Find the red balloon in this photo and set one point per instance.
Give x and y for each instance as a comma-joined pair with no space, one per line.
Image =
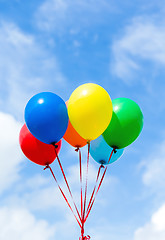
35,150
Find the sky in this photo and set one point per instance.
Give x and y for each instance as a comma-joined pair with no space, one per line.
57,45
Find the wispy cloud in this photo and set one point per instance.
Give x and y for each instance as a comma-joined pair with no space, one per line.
63,16
19,223
154,165
141,41
155,228
10,154
26,68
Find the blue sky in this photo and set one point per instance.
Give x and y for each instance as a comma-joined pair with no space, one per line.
57,45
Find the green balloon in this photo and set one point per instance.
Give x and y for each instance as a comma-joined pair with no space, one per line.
126,123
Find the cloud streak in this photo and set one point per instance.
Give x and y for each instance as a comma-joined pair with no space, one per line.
61,16
10,154
26,68
154,165
141,41
155,228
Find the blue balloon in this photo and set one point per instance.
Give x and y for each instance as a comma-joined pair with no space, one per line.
100,151
46,117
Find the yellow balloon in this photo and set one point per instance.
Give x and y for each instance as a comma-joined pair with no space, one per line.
90,110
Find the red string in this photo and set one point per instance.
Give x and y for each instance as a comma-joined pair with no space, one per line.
98,174
63,194
81,183
89,210
83,217
62,170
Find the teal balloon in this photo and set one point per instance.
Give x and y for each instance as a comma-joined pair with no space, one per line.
100,151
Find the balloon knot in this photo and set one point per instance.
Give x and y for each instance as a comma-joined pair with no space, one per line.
115,151
76,149
54,144
47,166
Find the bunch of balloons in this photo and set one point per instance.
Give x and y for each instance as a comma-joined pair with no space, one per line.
88,117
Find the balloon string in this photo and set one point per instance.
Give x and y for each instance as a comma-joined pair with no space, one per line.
80,163
62,170
98,174
63,193
89,210
83,217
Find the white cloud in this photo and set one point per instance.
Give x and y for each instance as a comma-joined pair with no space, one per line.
158,219
19,223
44,198
38,193
71,16
26,68
155,229
153,175
10,154
142,40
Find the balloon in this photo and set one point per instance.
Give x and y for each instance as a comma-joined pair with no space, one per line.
100,151
35,150
72,137
46,117
126,123
90,110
